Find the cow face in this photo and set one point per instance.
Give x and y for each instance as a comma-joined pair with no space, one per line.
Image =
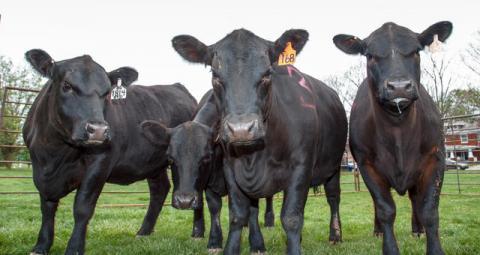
241,65
190,153
393,61
77,92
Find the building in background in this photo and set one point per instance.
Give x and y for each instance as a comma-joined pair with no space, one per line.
462,139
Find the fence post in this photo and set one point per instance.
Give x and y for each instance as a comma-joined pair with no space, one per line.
356,179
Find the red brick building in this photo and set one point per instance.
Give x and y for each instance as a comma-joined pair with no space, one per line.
462,140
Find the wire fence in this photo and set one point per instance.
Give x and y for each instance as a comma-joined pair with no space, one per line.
462,145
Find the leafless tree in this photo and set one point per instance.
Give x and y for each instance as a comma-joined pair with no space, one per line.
471,55
346,84
438,79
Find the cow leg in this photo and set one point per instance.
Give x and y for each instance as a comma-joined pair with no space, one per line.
45,236
417,227
85,202
238,206
427,202
269,214
215,239
332,191
385,210
257,245
293,207
198,230
159,187
377,229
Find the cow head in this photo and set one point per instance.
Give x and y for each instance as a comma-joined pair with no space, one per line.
393,60
77,94
190,151
241,65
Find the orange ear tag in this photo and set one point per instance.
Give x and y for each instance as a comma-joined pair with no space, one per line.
288,55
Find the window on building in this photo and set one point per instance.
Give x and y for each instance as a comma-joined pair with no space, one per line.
464,138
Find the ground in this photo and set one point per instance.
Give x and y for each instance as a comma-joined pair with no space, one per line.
112,230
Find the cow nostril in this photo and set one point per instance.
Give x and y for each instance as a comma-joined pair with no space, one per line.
230,128
90,129
408,86
251,126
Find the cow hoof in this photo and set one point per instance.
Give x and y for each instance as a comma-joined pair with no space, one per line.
35,253
257,253
197,238
140,236
417,234
214,250
336,241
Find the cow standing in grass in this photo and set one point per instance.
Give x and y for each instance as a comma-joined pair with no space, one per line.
281,130
79,139
196,160
396,130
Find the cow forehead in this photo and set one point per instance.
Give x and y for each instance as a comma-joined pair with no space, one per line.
190,138
241,44
390,37
83,70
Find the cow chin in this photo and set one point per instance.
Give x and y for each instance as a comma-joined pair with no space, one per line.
239,148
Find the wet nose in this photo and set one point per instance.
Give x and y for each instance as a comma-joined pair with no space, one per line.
97,131
404,86
242,129
185,200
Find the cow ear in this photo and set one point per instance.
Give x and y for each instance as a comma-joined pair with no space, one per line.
349,44
40,61
127,74
443,29
297,37
155,132
191,49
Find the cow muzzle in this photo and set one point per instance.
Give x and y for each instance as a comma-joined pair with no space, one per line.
98,133
243,130
184,200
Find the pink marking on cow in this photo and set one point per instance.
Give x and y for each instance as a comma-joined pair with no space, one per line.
290,69
307,105
303,83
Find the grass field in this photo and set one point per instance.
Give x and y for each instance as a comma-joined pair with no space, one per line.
112,230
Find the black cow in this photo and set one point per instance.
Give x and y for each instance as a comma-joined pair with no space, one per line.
79,139
196,161
281,130
396,130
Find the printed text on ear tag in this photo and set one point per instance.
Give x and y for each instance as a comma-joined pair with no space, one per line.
288,55
119,91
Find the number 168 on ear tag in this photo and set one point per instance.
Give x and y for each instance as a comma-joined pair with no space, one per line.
288,55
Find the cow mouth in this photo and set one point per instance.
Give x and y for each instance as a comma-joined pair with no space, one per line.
238,148
94,142
398,105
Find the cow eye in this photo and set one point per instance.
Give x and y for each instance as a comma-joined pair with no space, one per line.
67,87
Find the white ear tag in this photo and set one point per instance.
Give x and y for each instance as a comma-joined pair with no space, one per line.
436,45
119,92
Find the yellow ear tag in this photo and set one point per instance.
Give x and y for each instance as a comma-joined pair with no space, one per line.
288,55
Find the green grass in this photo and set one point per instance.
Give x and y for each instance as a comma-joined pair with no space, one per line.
112,230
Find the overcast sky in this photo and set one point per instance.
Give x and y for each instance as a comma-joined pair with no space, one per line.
138,33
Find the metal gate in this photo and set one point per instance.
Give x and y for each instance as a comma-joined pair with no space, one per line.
7,100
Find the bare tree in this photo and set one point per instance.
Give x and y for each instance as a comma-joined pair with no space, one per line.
471,56
438,79
347,84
